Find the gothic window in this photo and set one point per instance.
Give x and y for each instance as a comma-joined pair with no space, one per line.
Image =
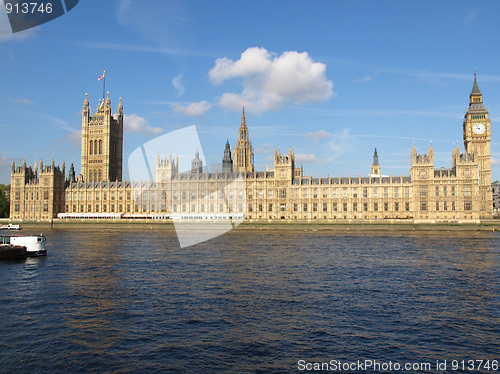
100,147
95,147
91,148
100,175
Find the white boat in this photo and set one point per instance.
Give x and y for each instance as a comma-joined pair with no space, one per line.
35,244
10,226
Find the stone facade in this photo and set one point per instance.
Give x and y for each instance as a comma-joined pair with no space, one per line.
462,193
102,142
495,187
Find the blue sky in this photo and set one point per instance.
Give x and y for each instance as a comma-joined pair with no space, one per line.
331,79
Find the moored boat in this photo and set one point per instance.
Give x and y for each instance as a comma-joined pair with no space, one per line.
35,244
10,226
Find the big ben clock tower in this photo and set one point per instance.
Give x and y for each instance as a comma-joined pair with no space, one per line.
477,137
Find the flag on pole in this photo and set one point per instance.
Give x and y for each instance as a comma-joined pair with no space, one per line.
101,77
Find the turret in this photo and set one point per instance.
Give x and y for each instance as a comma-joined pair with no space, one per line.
375,164
227,161
197,164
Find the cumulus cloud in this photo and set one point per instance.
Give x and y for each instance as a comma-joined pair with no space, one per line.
177,83
192,109
305,158
495,162
135,124
270,81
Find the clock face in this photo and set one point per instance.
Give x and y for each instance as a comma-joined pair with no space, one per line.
478,128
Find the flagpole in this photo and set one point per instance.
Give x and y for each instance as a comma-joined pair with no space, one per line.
103,84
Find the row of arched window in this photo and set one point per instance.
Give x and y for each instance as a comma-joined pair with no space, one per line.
95,147
95,176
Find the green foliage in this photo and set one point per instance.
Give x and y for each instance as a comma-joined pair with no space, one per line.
4,201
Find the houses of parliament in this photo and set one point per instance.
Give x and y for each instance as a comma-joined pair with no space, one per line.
462,193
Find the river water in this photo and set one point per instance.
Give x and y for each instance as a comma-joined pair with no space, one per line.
132,301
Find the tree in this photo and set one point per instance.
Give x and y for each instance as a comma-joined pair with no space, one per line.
4,201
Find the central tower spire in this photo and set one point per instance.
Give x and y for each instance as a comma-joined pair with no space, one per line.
243,151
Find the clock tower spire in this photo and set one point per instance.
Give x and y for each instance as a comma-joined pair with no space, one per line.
477,137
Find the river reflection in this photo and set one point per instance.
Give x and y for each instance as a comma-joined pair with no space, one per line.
121,300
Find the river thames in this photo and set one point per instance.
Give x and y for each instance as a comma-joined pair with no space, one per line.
132,301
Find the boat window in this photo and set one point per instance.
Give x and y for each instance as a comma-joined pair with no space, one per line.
39,239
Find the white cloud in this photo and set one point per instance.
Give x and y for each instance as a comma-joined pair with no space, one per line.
305,158
317,135
270,81
177,83
472,16
23,101
74,136
338,145
192,109
165,23
6,31
265,149
134,124
363,80
4,163
495,162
